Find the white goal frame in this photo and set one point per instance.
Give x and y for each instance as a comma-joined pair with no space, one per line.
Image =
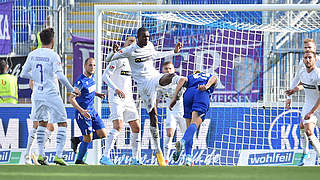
98,9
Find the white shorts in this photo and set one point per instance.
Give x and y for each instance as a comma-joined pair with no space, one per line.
123,110
32,115
313,119
174,118
148,91
54,106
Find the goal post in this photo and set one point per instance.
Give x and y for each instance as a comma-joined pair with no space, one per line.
253,49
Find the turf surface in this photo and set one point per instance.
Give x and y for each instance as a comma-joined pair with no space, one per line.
13,172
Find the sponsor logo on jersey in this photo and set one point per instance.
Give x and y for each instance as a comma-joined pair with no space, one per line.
91,88
4,156
126,73
271,158
138,60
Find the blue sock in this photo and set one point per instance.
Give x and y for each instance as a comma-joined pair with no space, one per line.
188,135
95,135
188,147
82,150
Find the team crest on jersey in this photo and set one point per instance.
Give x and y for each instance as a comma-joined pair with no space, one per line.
111,67
121,51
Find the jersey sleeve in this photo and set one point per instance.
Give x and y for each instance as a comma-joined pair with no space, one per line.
26,69
296,79
112,66
57,64
122,53
78,84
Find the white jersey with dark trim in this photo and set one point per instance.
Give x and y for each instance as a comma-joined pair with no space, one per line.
311,84
141,60
119,72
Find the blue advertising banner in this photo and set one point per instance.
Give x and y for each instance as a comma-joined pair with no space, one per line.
230,136
5,28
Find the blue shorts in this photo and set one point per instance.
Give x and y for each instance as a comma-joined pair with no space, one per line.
86,125
195,100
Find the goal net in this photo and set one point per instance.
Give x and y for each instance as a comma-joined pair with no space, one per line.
253,50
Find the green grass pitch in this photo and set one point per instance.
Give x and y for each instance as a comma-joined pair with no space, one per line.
13,172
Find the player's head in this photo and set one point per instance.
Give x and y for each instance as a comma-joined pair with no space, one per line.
47,37
309,45
167,67
3,66
309,59
129,41
196,71
89,66
143,36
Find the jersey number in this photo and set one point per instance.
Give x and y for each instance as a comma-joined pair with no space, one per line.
41,72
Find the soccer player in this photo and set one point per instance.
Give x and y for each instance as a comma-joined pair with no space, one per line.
196,102
308,45
122,106
309,78
32,133
43,66
175,116
141,56
86,116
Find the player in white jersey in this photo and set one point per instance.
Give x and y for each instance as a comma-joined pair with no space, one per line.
43,66
122,106
174,117
309,78
141,56
308,45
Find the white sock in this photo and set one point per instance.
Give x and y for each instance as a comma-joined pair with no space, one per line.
112,136
48,135
136,145
61,140
167,147
41,135
304,141
32,134
156,139
315,143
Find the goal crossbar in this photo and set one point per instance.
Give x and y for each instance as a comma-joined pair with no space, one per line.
207,7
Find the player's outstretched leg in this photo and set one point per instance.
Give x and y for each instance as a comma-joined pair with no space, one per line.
185,141
85,140
106,160
155,136
41,140
31,138
305,147
61,140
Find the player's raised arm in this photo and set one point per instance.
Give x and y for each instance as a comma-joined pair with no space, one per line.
123,53
212,81
162,54
180,83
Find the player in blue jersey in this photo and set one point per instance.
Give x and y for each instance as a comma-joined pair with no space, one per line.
196,102
86,116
